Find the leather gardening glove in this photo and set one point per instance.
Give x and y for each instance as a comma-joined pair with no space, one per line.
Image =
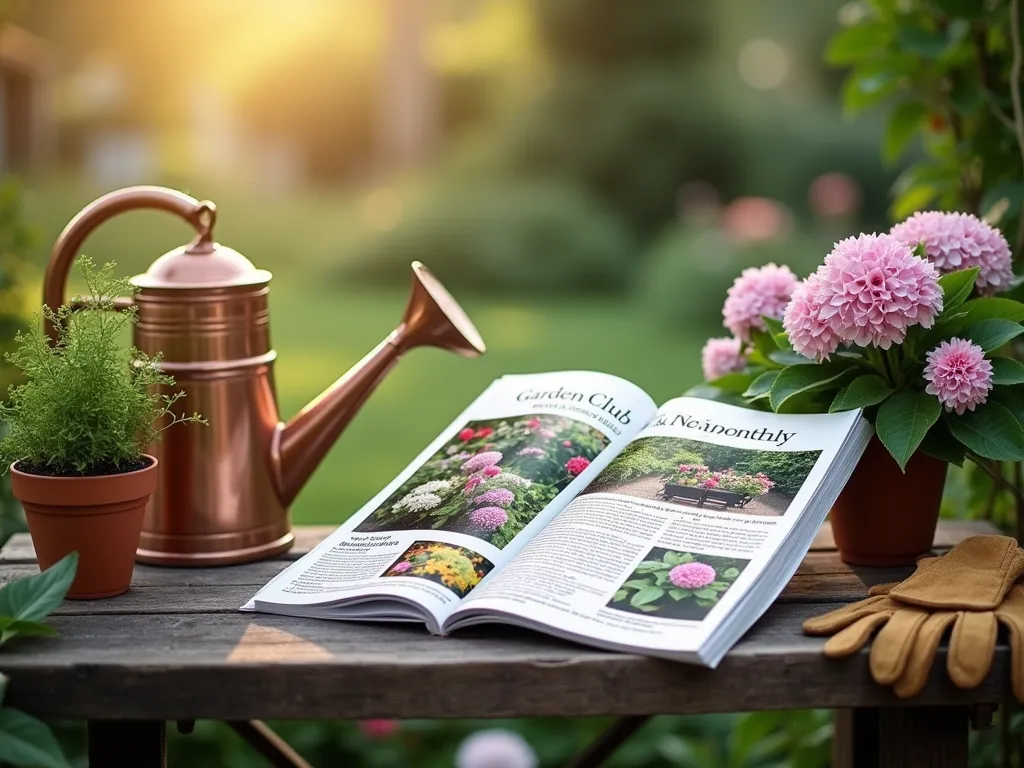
960,589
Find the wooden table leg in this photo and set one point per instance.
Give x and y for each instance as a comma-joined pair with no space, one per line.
119,743
901,737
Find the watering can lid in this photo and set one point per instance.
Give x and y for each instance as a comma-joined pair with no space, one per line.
201,264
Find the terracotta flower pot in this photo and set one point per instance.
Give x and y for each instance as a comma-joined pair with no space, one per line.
100,517
885,517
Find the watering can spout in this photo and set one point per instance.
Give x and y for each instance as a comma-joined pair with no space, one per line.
432,318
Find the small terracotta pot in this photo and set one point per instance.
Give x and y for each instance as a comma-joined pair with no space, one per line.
99,517
885,517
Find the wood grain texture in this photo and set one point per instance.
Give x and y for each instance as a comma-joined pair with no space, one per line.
175,647
19,549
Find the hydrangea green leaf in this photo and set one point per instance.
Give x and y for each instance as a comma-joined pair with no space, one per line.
990,430
869,389
903,421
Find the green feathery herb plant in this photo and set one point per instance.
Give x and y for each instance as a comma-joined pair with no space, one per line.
89,405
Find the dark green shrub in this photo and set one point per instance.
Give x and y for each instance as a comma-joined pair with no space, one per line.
523,237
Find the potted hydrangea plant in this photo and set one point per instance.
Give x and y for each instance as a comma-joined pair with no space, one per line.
78,428
907,326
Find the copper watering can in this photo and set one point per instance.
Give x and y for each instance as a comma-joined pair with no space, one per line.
224,489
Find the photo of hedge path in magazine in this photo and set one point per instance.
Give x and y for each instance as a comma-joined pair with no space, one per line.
707,475
492,478
457,568
602,565
677,585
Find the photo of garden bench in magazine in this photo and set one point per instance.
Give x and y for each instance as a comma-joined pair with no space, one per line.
571,504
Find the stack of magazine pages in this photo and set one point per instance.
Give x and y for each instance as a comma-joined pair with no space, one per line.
571,504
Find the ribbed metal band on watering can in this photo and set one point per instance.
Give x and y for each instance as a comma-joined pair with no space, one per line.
224,489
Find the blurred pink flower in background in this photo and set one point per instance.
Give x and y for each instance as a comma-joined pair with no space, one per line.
834,195
379,729
577,464
756,219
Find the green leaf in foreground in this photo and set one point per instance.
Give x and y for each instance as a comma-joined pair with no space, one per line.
941,445
645,596
761,385
992,334
956,287
25,741
34,597
736,383
1006,370
870,389
903,421
990,430
798,379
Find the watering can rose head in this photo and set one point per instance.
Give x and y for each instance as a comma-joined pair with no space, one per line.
904,325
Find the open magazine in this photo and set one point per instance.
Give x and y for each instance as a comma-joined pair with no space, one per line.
570,503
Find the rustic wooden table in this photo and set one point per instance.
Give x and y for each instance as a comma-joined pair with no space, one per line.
175,648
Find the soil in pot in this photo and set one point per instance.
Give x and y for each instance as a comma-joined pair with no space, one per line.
98,516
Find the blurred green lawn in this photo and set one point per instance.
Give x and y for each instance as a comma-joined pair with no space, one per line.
320,327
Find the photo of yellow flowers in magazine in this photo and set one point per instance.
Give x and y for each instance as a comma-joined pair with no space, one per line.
457,568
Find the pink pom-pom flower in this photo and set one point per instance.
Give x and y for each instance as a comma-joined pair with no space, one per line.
500,497
577,464
481,461
869,291
955,241
721,356
401,567
809,333
958,375
489,518
491,471
692,575
756,292
531,451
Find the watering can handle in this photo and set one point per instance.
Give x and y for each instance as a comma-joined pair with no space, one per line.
201,215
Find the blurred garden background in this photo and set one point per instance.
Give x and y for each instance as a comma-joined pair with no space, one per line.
587,176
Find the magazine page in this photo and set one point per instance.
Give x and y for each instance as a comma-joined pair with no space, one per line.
665,541
470,501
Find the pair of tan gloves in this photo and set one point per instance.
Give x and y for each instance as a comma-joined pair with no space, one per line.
972,589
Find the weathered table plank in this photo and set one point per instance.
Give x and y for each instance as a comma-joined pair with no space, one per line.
19,548
175,647
232,666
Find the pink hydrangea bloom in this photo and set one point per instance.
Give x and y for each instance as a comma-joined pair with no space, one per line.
531,451
721,356
757,291
547,434
481,461
491,471
576,464
958,374
379,728
401,567
500,497
567,443
870,290
955,241
472,483
495,748
692,575
809,333
533,423
466,434
489,518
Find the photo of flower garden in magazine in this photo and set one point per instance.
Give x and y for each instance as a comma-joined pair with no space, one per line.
492,478
677,585
707,475
457,568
